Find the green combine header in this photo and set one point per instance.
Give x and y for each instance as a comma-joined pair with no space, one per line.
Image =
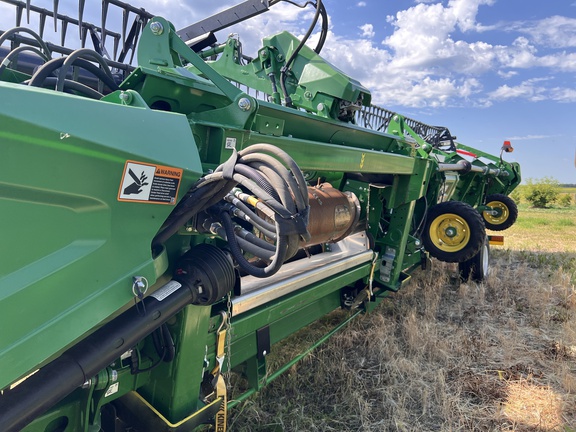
174,208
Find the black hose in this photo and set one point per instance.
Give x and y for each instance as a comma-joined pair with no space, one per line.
86,53
323,32
277,186
277,260
8,59
57,379
245,245
74,86
48,68
286,67
258,178
15,30
244,212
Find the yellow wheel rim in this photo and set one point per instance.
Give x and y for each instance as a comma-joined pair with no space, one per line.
502,213
449,232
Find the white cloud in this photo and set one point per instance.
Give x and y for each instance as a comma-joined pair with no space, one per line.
507,74
555,31
565,95
534,90
367,30
531,137
422,62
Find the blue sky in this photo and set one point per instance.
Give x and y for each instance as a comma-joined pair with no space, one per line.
489,70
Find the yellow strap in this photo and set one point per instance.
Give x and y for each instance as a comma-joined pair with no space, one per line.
221,415
220,351
221,343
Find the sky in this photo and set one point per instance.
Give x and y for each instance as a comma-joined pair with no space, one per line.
489,70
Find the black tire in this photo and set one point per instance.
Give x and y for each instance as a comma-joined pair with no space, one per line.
476,268
507,212
454,231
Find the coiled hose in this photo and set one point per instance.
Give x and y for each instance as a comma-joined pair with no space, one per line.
269,183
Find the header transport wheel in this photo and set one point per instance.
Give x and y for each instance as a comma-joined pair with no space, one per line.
504,212
454,231
476,268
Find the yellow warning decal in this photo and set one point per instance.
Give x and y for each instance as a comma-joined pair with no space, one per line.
148,183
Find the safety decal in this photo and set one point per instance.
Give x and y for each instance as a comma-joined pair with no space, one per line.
148,183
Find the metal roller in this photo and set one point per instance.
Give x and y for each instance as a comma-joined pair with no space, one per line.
333,214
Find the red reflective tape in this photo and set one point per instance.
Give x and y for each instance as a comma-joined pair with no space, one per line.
466,153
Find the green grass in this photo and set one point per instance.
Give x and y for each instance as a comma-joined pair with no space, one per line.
552,230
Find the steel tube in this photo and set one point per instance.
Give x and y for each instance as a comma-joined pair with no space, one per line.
460,167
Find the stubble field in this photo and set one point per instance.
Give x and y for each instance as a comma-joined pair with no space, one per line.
445,356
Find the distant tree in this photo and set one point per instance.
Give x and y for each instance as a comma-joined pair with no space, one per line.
565,200
516,195
542,192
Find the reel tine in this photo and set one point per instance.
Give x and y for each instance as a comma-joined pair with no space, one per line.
83,36
28,11
55,9
125,14
116,43
136,36
63,35
81,4
19,10
42,24
103,26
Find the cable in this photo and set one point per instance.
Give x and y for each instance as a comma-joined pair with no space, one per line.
74,86
15,30
8,59
286,67
48,68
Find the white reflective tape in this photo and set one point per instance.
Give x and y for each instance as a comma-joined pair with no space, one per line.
170,288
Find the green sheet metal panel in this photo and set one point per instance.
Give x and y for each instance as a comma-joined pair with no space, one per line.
63,158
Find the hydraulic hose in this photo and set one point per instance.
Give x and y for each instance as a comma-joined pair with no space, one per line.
277,259
48,68
277,187
75,86
15,30
244,212
8,59
286,67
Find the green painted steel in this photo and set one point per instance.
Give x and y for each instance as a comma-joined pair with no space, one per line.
59,189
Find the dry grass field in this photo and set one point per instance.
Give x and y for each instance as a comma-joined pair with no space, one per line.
445,356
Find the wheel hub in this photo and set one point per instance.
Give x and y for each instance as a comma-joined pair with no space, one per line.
499,213
450,232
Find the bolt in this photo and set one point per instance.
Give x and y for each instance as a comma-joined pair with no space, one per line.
156,28
244,104
308,95
320,107
125,97
417,243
